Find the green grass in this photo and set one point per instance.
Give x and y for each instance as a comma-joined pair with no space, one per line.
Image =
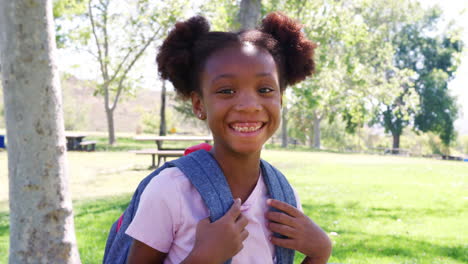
376,209
93,219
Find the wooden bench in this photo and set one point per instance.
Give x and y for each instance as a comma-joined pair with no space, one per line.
88,145
162,154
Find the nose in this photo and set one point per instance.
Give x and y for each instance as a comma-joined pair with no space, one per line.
248,102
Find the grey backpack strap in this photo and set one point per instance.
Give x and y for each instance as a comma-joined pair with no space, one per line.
205,174
279,189
207,177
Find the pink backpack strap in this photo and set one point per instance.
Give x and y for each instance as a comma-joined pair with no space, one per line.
119,222
191,149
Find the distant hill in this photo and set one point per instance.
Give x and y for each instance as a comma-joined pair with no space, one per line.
84,111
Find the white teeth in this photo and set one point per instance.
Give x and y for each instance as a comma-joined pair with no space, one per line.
247,129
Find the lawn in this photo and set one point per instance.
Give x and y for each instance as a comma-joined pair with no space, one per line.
376,209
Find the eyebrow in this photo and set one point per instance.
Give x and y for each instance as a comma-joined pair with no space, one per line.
230,76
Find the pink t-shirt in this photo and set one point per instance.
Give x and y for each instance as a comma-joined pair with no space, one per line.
170,209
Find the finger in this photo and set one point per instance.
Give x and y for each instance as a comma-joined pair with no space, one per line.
241,246
244,234
281,218
282,242
242,222
234,211
287,208
283,230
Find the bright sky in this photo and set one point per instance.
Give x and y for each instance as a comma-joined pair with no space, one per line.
453,9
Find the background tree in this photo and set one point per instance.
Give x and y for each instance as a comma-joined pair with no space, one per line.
66,11
249,13
349,59
429,59
41,216
162,114
222,14
117,53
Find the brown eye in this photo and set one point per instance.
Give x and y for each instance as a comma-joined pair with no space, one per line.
226,91
265,90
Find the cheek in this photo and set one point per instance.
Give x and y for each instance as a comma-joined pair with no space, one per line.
215,110
275,110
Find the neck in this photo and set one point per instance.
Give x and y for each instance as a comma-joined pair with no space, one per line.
241,171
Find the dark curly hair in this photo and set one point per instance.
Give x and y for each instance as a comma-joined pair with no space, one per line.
184,52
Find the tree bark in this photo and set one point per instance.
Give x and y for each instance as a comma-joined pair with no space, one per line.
41,215
110,125
396,143
162,122
249,13
317,120
310,138
284,127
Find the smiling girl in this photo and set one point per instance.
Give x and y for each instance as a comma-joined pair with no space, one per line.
235,82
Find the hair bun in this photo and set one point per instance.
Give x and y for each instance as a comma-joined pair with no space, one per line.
175,56
298,50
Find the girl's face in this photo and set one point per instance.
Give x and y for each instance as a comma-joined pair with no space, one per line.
241,98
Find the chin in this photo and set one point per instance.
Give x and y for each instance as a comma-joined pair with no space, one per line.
247,149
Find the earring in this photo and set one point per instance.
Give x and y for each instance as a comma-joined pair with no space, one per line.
201,116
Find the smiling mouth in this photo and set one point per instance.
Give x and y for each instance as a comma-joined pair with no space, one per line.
247,127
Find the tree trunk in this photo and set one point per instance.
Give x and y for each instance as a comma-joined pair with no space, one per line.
162,122
317,121
41,215
310,138
110,125
249,13
284,127
396,143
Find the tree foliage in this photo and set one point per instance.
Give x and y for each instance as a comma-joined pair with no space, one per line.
351,61
429,58
69,16
377,62
143,23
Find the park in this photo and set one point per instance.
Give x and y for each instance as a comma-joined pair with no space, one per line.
374,142
377,209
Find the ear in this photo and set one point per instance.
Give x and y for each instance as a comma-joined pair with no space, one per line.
198,106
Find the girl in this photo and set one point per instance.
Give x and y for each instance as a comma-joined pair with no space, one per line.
235,82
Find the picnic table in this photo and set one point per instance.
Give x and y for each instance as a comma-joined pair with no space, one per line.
75,142
161,152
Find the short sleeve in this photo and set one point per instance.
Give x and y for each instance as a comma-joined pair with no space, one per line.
154,222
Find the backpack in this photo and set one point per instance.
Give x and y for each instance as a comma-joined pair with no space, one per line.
207,177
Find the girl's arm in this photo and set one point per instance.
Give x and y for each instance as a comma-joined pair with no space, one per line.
140,253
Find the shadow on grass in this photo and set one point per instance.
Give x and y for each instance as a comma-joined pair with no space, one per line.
331,210
395,246
349,243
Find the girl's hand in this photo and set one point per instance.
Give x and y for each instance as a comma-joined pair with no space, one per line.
303,234
221,240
